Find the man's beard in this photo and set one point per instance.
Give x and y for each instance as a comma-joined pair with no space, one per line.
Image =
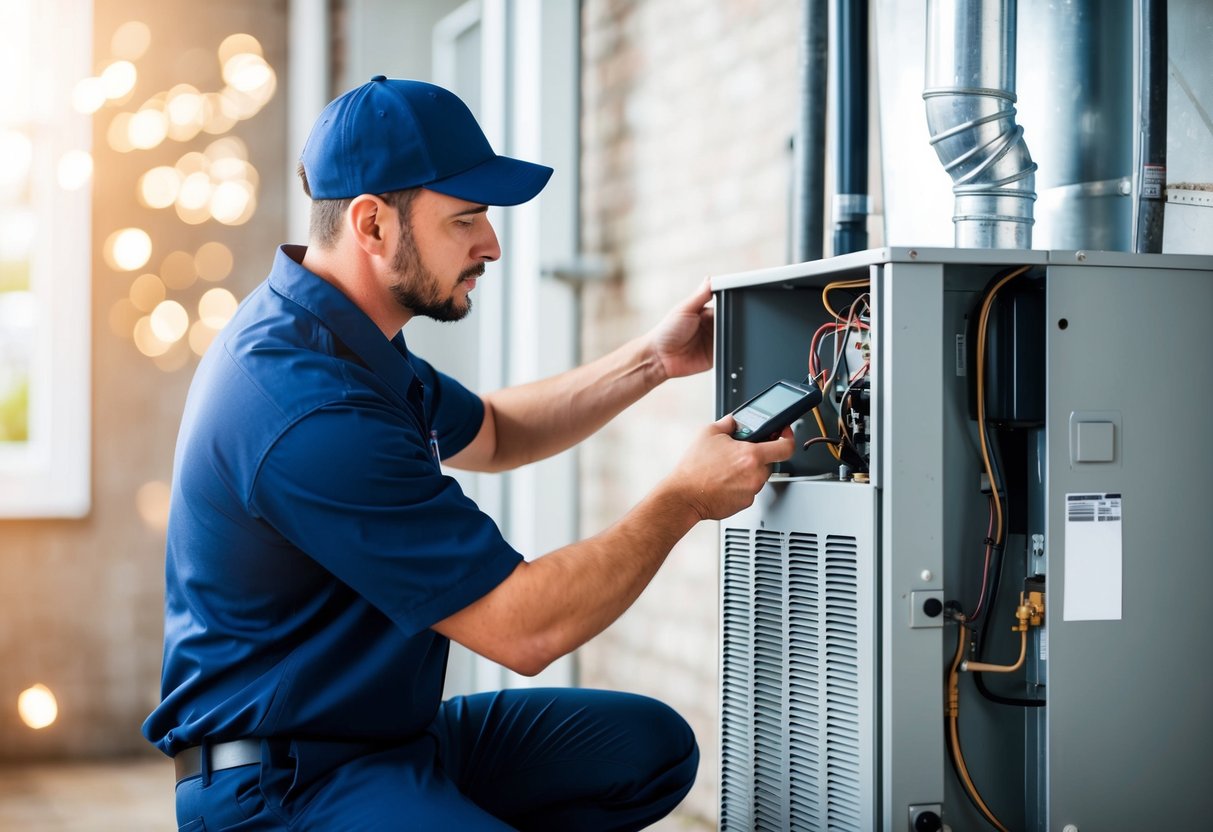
418,289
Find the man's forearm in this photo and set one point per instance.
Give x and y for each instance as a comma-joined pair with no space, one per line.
537,420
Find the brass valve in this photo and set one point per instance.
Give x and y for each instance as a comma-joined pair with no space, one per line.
1030,611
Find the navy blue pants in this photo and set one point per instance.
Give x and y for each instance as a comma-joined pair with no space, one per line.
543,759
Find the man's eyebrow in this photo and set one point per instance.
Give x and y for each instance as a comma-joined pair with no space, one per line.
476,209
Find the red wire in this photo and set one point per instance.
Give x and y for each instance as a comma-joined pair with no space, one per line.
985,572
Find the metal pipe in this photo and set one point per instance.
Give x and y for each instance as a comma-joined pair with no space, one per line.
970,97
849,60
809,147
1152,142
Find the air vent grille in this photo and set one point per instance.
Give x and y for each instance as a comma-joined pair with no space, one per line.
798,670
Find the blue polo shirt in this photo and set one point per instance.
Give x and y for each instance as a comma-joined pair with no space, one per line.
313,538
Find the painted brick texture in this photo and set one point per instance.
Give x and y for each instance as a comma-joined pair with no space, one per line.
688,111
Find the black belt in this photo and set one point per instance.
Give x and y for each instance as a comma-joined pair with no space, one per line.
221,755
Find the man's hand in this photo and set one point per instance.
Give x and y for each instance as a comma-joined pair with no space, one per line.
682,342
718,475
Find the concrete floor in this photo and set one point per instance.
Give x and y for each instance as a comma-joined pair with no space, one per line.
119,796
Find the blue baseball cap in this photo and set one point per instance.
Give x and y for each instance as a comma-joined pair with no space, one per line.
388,135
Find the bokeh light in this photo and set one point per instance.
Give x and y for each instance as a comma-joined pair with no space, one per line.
201,337
118,79
75,170
128,249
131,40
216,307
146,341
158,188
147,291
236,44
169,321
147,128
37,706
186,112
118,134
233,203
151,501
213,261
177,271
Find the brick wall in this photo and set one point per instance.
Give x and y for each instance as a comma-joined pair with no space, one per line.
688,109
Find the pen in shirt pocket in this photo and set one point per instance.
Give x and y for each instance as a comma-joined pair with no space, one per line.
434,446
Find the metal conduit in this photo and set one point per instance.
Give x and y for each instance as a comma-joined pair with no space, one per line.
970,98
809,148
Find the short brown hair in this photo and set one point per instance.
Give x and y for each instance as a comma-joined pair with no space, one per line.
327,214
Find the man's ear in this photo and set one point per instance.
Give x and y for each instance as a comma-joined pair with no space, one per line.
365,219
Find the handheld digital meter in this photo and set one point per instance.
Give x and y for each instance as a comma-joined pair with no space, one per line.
767,414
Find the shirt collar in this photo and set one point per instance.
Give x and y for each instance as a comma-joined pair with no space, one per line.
387,359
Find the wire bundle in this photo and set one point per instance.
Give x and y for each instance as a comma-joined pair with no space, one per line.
842,327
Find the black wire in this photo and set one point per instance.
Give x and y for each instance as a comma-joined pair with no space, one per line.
999,553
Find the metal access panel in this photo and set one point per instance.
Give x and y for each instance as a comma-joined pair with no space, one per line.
1130,714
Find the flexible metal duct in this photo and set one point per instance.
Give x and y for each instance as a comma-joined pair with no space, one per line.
970,98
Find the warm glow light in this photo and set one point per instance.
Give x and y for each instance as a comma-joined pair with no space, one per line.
195,191
37,706
232,169
247,73
75,169
147,291
235,44
128,249
213,261
118,79
151,501
240,104
17,153
147,129
229,147
186,112
158,187
216,117
201,337
88,95
146,340
232,203
131,40
177,270
216,307
192,162
118,134
169,321
193,216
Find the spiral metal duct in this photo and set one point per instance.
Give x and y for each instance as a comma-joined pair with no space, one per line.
970,101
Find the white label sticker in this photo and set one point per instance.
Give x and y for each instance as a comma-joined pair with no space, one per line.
1153,179
962,355
1093,557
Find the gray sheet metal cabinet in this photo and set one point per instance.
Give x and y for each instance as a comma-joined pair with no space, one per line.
833,651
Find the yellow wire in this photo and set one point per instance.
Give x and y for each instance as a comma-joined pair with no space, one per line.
981,394
839,284
952,711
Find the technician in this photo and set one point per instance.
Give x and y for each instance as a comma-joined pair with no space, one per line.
318,560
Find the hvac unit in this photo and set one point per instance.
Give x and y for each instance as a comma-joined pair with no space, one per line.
1013,455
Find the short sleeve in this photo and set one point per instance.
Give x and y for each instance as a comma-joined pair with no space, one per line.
454,411
355,488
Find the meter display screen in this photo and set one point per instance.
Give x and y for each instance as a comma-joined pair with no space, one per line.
768,413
